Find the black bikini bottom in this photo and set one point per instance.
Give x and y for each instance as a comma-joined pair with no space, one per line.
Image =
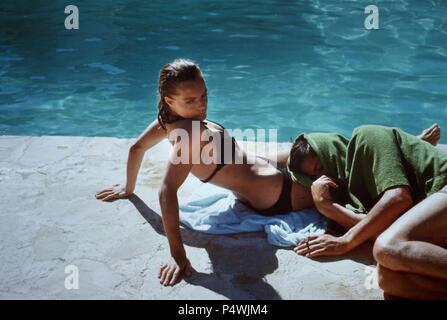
284,202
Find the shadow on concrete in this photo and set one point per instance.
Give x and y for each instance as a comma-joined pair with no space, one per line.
239,262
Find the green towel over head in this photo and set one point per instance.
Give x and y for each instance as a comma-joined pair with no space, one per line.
374,160
330,149
380,158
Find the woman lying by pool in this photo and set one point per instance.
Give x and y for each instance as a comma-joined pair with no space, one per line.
383,183
182,104
266,188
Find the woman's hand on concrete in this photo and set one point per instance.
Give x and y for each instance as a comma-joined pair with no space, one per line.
172,272
111,194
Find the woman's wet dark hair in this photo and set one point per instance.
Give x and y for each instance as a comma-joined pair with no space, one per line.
171,75
300,149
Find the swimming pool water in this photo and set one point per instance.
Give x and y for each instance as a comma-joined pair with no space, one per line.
296,66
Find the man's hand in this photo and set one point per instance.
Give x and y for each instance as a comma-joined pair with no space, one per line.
172,272
321,190
322,245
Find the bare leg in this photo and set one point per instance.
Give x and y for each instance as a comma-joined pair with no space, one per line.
415,245
410,285
431,134
417,241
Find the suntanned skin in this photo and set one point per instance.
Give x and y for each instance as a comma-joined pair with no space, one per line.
412,252
259,183
432,134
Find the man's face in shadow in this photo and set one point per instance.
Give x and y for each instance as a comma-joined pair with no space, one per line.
311,166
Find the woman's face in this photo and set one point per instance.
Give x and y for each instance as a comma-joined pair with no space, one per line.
190,100
312,166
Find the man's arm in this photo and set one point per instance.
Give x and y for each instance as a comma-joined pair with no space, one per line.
344,217
323,202
393,203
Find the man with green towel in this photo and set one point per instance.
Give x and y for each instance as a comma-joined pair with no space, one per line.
365,184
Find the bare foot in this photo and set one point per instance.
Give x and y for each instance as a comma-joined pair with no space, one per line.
431,135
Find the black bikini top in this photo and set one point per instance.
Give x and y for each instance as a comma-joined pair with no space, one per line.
221,153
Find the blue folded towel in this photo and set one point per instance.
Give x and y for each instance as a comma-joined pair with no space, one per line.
219,212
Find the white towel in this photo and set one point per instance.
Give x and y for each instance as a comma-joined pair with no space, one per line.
215,210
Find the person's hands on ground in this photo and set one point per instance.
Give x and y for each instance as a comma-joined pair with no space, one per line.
322,245
111,194
172,272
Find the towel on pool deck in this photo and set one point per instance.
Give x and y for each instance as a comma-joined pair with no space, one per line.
217,211
376,159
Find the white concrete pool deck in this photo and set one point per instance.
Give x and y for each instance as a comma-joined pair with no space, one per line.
50,219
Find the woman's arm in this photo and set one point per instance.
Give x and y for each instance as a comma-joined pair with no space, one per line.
153,134
176,174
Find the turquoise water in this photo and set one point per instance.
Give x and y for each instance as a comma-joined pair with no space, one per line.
291,65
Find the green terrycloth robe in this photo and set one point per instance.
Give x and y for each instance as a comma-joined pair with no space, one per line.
376,159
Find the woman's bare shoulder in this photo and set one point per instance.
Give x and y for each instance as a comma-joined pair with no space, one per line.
185,124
